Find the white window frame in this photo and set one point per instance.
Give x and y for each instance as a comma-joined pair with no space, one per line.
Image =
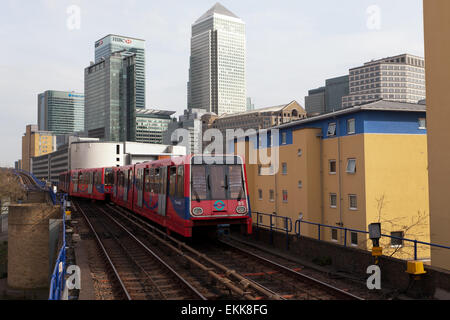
331,125
420,126
329,166
337,235
287,196
284,138
348,126
331,202
402,236
348,166
351,239
299,152
300,184
272,199
350,202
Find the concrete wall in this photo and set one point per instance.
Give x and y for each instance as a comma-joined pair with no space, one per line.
28,245
437,48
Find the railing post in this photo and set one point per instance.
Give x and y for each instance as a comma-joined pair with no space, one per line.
345,237
319,230
287,233
271,231
415,249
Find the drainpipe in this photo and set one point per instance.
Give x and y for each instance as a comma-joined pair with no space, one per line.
341,223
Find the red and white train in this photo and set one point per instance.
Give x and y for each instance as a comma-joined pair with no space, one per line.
180,194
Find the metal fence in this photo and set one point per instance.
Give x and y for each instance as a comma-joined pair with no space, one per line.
58,282
287,228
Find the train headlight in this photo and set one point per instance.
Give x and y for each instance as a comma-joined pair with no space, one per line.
197,211
241,210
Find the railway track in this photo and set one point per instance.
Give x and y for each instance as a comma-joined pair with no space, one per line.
284,278
138,272
243,273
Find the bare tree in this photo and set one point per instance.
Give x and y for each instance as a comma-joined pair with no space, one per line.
412,226
11,188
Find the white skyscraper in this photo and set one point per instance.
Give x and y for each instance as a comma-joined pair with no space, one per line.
217,66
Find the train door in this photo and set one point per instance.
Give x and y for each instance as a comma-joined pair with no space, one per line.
75,182
162,197
140,185
90,176
125,185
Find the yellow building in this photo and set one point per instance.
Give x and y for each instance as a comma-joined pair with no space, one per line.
348,169
34,144
437,48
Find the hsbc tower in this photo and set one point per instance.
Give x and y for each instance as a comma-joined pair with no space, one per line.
114,43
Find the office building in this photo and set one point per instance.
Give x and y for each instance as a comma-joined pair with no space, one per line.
250,105
400,78
437,47
151,125
36,143
217,64
328,98
259,119
91,153
106,46
110,98
348,169
191,121
61,112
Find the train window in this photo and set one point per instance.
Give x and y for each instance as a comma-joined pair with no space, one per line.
109,177
180,182
199,191
235,182
157,181
147,180
217,183
172,181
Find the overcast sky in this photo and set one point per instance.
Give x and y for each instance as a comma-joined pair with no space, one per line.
292,46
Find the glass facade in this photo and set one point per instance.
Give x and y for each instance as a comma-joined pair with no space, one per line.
129,46
61,112
110,88
151,125
217,65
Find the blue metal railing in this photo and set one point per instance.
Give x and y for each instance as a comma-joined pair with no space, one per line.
58,282
42,185
287,225
297,230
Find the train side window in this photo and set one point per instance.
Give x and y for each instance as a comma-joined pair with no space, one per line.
147,180
172,181
157,182
180,182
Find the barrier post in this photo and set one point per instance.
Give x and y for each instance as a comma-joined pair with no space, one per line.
319,230
271,231
287,232
345,237
415,249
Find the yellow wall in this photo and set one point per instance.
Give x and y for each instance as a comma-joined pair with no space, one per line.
35,145
393,166
437,49
397,189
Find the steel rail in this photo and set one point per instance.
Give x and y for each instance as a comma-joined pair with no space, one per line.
153,254
244,282
104,251
328,288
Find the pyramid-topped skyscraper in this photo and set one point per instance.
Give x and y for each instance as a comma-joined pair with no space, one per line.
217,65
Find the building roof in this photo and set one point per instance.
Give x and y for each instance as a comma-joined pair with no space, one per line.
219,9
154,112
380,105
261,110
119,36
